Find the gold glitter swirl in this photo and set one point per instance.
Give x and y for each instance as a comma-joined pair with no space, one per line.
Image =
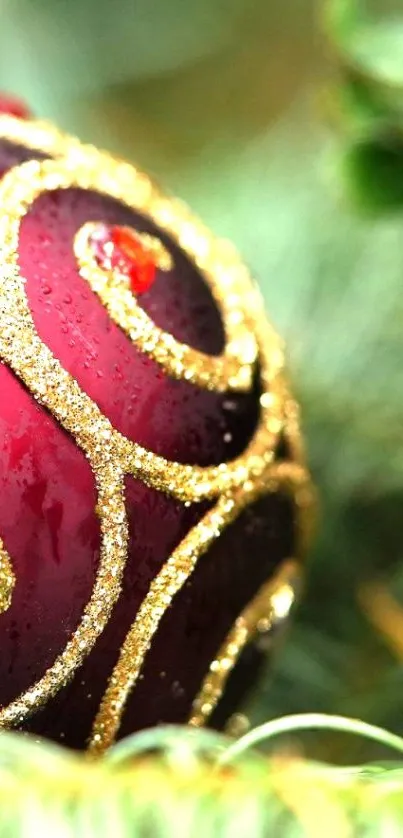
271,604
232,485
232,370
42,373
7,579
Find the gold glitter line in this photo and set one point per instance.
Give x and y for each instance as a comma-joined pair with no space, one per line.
271,604
7,579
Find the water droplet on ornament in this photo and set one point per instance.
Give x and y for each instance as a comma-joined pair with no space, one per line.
230,405
177,690
45,239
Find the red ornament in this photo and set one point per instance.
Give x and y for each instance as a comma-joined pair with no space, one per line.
13,106
84,410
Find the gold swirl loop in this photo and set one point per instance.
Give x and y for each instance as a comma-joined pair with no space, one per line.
233,370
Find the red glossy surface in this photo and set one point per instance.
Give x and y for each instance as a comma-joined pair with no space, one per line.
49,527
47,517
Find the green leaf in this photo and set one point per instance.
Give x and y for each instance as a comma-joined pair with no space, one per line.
370,43
310,721
378,50
358,106
372,173
369,102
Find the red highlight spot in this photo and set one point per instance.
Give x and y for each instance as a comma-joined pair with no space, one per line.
137,262
12,106
121,249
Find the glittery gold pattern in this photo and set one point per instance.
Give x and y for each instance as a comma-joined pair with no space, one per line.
271,604
233,370
232,485
7,579
170,580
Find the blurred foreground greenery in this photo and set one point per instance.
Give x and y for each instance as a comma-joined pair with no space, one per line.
282,124
174,781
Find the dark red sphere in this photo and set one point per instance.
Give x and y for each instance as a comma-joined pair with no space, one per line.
48,511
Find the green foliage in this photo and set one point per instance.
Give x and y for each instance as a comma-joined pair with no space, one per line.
369,42
372,171
369,101
178,782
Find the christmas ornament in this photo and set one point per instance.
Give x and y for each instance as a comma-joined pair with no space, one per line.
153,488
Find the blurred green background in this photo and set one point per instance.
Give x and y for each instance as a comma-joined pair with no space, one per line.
227,102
